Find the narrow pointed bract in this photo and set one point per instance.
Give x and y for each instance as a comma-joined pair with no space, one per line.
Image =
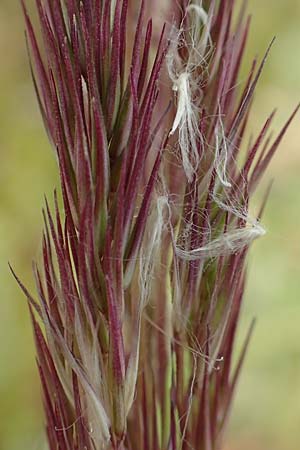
143,268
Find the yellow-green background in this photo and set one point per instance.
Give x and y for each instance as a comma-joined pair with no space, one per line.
266,413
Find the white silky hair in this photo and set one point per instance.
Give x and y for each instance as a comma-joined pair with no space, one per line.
151,247
236,238
185,79
98,420
154,235
221,153
186,84
224,245
96,387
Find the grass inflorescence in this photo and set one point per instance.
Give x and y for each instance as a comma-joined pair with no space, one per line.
143,269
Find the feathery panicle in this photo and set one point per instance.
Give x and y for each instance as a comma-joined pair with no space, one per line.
143,272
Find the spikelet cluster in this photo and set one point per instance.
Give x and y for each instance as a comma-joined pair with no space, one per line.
143,268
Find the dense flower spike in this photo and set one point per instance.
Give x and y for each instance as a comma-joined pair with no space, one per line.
143,271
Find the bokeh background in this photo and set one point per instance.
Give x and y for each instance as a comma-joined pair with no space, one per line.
266,413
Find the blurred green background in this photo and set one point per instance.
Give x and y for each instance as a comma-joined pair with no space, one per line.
266,413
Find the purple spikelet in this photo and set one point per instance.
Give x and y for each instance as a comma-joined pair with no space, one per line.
143,269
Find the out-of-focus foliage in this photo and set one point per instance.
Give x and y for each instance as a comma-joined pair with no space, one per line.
267,406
